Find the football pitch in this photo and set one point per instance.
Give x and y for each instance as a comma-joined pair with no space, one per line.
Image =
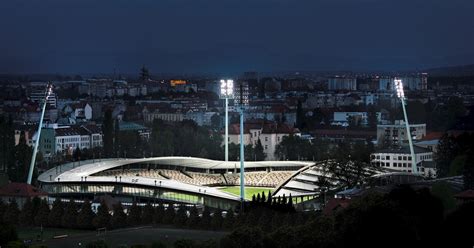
249,191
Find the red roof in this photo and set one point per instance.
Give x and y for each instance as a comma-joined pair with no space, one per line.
433,136
267,127
21,190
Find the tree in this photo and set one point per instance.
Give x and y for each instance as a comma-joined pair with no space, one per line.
56,214
293,148
85,216
259,151
159,214
457,165
119,218
444,192
454,230
372,120
205,219
300,115
169,214
102,219
229,219
248,237
7,234
181,217
216,121
468,172
22,157
134,215
11,213
7,143
193,219
416,112
77,154
147,214
68,219
107,129
41,218
27,213
217,220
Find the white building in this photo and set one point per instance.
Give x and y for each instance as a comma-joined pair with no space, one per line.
342,83
342,118
400,160
202,118
57,139
395,134
78,111
270,135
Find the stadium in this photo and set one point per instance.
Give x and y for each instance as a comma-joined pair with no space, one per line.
189,180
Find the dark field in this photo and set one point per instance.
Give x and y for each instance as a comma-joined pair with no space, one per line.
132,236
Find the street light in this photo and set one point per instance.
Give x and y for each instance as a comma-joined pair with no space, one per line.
227,92
401,96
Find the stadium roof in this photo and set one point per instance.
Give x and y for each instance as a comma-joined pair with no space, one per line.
73,172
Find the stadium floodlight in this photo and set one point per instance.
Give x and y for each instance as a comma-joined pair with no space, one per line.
401,96
227,88
227,91
48,91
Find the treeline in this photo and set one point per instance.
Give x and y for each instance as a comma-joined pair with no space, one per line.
261,211
81,216
185,138
293,147
15,159
454,157
402,218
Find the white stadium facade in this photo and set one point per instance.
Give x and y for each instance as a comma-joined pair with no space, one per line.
189,180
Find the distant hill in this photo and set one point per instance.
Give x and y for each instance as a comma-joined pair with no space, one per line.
457,71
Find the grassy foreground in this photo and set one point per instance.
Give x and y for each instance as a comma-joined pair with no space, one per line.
33,233
249,191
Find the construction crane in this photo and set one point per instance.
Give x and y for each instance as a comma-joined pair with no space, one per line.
47,93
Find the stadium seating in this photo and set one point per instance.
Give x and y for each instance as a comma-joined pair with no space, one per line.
261,179
252,178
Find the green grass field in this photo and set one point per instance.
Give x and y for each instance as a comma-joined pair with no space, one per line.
249,191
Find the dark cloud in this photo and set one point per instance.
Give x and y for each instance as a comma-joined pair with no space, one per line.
81,36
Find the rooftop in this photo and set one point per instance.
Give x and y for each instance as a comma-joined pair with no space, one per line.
404,150
21,190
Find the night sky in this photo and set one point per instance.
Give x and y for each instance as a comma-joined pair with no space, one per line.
231,36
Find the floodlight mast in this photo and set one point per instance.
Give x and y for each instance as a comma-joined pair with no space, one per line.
401,96
227,91
242,156
47,93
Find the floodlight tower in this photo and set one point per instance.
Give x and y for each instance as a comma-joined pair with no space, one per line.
227,92
401,96
242,155
47,93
